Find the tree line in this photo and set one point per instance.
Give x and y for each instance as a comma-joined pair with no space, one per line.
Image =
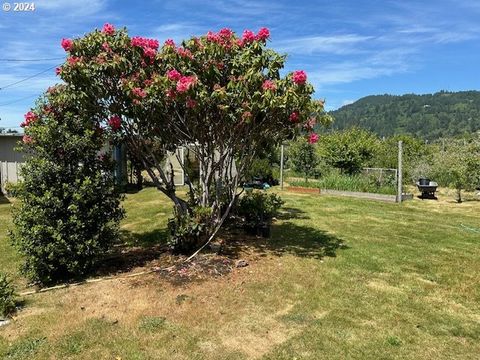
428,116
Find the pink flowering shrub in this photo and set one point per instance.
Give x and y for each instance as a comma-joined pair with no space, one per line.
220,91
169,43
294,117
248,36
269,85
67,44
312,138
173,75
299,77
139,92
108,29
115,122
263,34
30,118
185,83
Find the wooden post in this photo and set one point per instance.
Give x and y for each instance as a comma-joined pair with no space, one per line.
281,166
399,170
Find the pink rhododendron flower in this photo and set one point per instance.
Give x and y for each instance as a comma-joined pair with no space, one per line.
263,34
299,77
269,85
225,33
212,37
313,138
153,44
148,82
170,94
139,92
185,83
27,139
106,47
149,52
169,43
67,44
191,103
144,42
184,53
240,42
30,118
137,41
73,60
294,117
310,123
248,36
115,122
173,75
108,29
58,71
246,115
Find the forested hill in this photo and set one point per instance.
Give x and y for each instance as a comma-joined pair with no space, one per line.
429,116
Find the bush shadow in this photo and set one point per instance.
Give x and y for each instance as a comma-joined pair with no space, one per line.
4,200
288,213
133,250
288,239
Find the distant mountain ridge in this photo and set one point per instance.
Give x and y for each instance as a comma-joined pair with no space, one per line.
429,116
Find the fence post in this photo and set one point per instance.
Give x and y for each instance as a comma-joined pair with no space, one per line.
399,170
281,167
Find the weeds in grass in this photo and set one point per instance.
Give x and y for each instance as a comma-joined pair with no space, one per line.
25,348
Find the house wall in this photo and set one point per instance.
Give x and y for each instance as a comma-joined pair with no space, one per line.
173,162
10,160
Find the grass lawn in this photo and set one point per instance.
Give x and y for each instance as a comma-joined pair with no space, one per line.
340,278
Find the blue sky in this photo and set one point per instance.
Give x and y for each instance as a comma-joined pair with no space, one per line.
349,48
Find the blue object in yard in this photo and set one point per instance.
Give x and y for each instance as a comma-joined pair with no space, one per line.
266,186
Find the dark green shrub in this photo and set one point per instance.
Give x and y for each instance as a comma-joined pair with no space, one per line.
189,232
69,209
258,207
12,189
7,296
349,150
303,158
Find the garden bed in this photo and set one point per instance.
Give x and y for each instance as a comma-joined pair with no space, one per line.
304,190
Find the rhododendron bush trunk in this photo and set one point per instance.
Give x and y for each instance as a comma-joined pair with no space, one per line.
220,94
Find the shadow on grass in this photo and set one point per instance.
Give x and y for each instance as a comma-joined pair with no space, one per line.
288,238
134,250
288,213
151,248
4,200
146,239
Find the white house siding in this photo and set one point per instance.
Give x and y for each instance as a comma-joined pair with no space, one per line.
176,160
10,160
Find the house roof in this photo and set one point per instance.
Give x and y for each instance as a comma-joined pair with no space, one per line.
12,135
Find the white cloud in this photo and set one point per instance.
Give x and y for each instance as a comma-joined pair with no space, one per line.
71,8
332,44
347,102
176,31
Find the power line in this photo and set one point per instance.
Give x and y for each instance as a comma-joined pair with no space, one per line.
31,60
18,100
28,78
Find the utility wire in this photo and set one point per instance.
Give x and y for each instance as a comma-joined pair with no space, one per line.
32,60
28,78
18,100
